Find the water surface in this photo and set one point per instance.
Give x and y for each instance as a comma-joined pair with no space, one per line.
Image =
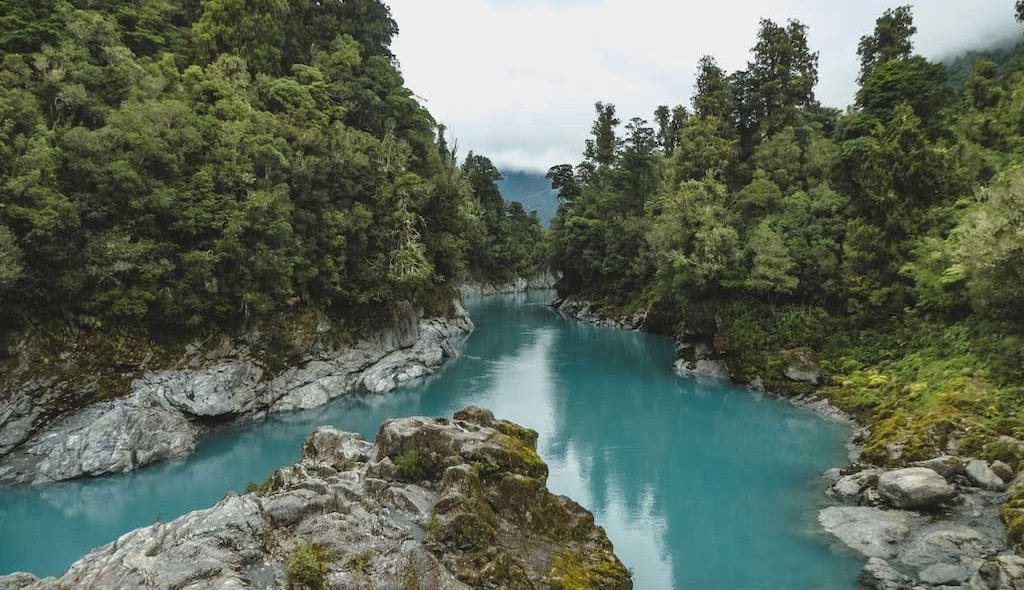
700,486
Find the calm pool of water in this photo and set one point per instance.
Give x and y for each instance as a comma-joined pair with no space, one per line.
699,485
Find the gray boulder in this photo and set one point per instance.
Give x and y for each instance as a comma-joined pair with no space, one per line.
1002,470
915,488
879,575
946,574
981,475
946,543
948,466
848,489
706,368
801,366
1005,572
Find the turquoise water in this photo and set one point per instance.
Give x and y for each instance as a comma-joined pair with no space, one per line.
700,486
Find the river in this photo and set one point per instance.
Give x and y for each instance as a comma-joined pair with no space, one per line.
700,485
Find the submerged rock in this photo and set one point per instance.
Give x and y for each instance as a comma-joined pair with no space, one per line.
433,504
43,440
915,488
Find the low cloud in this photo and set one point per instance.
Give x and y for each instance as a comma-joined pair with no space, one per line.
516,79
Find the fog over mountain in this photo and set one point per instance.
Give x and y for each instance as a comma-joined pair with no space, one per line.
542,63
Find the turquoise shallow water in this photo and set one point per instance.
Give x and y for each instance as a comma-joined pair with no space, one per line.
700,486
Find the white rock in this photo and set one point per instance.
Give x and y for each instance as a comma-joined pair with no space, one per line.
915,488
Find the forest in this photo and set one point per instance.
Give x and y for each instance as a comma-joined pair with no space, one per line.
179,168
886,239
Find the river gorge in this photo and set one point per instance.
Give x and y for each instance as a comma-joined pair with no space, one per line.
699,484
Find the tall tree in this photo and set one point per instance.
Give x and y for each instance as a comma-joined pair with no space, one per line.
603,148
892,39
782,77
714,95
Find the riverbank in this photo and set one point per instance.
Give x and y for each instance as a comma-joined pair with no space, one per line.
435,503
46,437
949,533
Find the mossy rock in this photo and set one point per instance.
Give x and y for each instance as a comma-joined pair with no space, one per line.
515,455
462,530
593,570
415,466
1013,517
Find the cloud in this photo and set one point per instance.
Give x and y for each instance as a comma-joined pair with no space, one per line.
516,79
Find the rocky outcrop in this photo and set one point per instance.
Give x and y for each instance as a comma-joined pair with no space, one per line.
166,411
801,365
539,282
926,526
585,311
437,504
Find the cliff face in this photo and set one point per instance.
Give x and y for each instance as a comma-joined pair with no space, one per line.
433,504
45,436
538,282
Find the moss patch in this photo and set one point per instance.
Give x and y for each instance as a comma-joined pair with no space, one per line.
416,466
587,571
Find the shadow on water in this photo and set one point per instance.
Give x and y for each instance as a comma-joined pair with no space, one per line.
699,485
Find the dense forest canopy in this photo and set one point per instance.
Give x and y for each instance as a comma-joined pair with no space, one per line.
889,237
191,165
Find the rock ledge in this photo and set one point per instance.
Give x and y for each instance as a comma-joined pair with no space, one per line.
433,504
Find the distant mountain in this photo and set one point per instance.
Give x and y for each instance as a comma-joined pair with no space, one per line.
531,189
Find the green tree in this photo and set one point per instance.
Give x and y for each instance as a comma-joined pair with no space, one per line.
782,77
891,40
714,95
771,263
603,149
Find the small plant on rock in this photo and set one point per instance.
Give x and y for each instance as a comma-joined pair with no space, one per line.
307,568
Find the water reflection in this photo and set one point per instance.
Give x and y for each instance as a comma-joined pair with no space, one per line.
698,485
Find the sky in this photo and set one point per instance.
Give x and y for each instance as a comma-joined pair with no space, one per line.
516,80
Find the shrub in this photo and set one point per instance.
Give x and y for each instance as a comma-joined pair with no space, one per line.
307,569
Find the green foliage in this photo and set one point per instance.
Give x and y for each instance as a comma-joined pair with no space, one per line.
888,239
891,40
307,568
175,169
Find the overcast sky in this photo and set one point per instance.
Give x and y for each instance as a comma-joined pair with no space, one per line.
516,79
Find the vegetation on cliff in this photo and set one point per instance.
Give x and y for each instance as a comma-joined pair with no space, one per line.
888,238
177,168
